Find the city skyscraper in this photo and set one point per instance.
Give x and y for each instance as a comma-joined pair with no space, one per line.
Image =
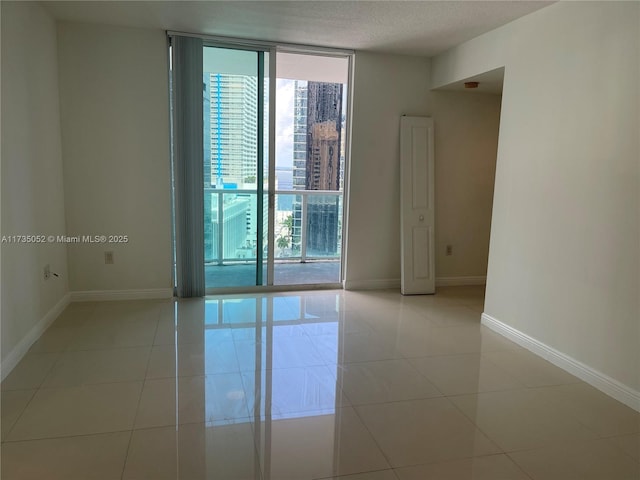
324,130
316,163
230,161
233,107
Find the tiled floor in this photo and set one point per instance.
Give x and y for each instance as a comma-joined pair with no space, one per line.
302,386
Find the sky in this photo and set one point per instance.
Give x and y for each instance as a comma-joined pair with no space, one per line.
284,122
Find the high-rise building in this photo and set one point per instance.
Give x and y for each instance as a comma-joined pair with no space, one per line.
317,163
300,135
233,128
324,131
230,161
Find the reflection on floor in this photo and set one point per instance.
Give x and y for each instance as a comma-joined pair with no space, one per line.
314,385
285,273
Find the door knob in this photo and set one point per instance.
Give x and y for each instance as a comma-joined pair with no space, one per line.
421,218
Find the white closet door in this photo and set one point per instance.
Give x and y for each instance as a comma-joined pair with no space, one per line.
416,205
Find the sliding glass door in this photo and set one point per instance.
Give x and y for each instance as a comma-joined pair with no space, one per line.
235,113
271,161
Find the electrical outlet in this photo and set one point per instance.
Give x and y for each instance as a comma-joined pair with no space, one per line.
47,272
108,258
449,250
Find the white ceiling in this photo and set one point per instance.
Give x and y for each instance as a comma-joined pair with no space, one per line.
488,82
404,27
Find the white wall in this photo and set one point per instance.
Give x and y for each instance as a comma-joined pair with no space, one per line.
115,124
32,186
466,144
115,132
385,87
466,131
564,260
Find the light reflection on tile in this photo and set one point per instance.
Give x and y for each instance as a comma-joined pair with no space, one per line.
424,431
303,386
292,391
491,467
317,447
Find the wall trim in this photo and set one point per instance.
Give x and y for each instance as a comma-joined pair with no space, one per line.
595,378
109,295
378,284
460,281
23,346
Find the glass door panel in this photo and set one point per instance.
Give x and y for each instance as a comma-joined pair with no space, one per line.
311,119
235,212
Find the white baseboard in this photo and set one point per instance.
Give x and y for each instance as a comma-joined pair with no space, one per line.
30,338
108,295
460,281
599,380
378,284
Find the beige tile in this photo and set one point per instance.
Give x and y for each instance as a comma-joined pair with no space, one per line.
217,399
318,446
114,334
298,391
520,419
30,371
59,412
377,475
157,406
597,411
193,451
384,381
91,457
193,359
420,431
530,369
492,467
433,340
131,310
460,374
359,347
452,316
583,460
630,444
188,330
86,367
284,352
75,314
390,321
13,404
54,339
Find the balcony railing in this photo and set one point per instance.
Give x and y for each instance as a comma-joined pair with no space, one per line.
308,225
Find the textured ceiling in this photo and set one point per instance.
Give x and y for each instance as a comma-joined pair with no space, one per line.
404,27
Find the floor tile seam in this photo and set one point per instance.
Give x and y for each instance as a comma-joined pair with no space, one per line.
477,427
126,454
557,404
24,409
116,347
177,424
92,384
618,448
63,437
518,466
48,372
360,418
102,349
431,382
155,333
332,477
485,356
466,394
451,460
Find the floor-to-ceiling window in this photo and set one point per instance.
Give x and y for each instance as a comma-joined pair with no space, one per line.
274,157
